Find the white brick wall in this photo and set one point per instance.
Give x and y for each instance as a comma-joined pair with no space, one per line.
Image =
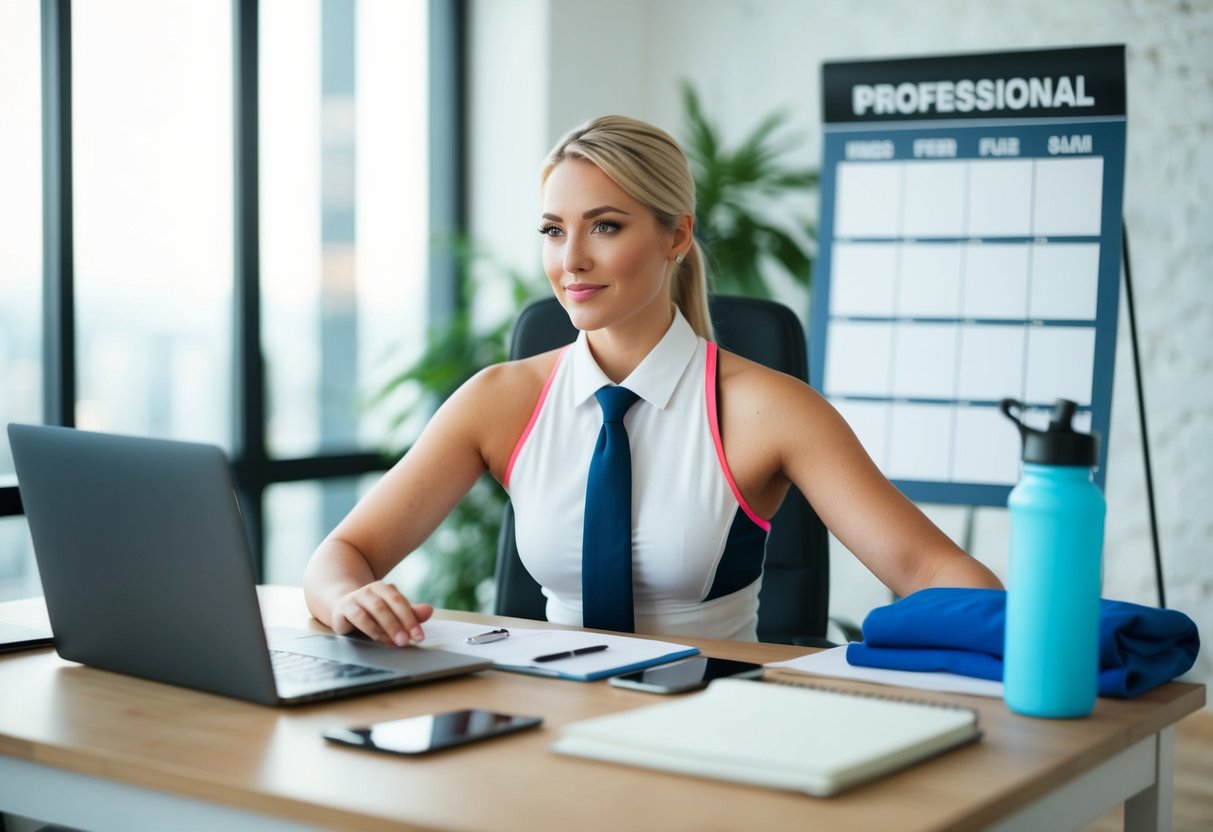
749,57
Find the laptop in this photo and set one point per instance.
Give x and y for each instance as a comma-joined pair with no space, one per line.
147,571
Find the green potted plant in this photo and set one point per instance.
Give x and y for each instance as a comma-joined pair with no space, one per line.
741,196
463,550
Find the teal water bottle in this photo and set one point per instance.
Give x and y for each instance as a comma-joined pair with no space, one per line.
1051,654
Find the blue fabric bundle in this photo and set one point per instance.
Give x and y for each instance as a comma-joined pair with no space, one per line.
961,631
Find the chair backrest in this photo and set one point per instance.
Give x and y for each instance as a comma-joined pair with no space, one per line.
794,600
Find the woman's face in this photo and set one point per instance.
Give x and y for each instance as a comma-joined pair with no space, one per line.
605,254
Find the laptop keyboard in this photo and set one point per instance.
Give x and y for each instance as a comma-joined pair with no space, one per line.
299,669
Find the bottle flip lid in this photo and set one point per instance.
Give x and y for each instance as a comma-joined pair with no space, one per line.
1059,444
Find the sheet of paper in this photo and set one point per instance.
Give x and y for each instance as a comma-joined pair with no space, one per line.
1061,363
1065,282
869,200
1068,197
833,662
919,445
999,198
991,364
928,285
934,199
524,645
864,279
924,360
983,451
860,358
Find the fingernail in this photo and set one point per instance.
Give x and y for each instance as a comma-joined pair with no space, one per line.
418,635
402,639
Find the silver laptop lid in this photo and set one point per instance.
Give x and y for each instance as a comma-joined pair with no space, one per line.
143,558
147,571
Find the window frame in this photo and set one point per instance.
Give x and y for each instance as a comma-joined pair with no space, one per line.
253,468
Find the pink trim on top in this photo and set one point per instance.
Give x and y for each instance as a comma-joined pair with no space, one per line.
543,394
714,423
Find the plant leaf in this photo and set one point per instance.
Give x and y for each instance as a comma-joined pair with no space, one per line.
738,191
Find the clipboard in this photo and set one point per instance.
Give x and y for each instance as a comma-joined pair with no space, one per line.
518,653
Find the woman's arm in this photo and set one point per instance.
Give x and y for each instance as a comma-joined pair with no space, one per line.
785,431
473,431
867,513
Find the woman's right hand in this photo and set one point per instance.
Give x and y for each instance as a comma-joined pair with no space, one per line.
381,612
342,583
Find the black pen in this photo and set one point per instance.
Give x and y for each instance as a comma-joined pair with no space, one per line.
568,654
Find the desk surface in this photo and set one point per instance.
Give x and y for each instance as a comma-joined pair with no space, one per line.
274,761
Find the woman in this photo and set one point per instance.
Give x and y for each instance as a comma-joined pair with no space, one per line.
715,439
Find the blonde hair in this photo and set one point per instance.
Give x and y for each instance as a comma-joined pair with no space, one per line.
651,168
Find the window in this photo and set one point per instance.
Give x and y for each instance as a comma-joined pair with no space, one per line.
344,235
20,266
157,342
344,227
152,160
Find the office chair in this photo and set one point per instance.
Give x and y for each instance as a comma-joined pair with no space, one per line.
794,599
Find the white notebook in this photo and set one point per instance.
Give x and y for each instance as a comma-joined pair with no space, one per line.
786,737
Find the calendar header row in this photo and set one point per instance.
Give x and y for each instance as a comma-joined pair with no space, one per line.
1051,83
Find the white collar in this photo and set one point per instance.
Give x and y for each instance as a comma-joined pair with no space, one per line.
653,380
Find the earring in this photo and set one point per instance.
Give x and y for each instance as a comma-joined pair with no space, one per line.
679,258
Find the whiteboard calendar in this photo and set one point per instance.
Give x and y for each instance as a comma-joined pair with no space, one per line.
970,238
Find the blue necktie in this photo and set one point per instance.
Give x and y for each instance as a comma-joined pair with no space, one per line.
606,551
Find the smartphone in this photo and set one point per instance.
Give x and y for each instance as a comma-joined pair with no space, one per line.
689,674
421,734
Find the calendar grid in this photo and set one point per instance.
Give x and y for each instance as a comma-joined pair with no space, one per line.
962,262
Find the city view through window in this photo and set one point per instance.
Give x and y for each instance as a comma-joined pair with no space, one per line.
343,225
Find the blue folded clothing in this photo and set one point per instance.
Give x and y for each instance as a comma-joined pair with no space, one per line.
961,631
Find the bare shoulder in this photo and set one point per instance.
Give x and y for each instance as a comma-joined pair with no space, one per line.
510,381
497,403
756,387
771,416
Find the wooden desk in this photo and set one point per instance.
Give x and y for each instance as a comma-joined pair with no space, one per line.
102,751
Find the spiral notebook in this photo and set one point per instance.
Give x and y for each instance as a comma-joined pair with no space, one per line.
805,739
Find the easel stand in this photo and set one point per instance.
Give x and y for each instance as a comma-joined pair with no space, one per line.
1141,413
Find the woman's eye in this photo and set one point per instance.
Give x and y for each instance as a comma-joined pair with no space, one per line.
605,227
549,231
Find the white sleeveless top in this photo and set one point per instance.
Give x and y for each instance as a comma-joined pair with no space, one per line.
697,548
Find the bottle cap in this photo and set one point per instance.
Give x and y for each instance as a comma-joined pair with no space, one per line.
1059,444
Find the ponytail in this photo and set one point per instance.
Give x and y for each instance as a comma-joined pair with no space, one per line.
690,292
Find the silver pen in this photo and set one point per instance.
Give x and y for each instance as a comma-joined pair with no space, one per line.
490,636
